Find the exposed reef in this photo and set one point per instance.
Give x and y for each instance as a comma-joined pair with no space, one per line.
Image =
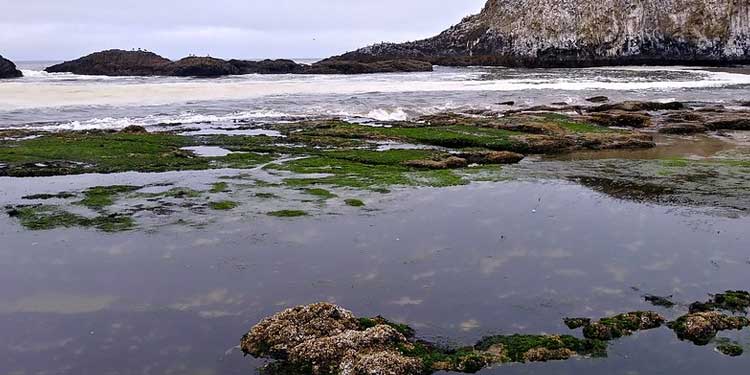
142,63
326,339
8,69
582,33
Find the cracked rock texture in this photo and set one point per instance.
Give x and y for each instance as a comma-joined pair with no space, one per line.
578,33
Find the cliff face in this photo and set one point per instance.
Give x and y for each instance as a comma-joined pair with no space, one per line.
8,69
571,33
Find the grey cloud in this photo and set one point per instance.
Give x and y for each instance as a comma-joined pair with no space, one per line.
53,29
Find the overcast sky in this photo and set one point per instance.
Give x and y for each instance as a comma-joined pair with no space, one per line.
66,29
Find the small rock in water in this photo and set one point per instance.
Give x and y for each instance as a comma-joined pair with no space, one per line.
597,99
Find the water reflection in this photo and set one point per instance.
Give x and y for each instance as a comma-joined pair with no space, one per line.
454,263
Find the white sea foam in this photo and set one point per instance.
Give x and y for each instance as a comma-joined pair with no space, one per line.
42,90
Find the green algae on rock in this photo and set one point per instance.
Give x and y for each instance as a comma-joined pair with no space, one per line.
288,213
331,340
702,327
42,217
731,349
320,193
354,203
104,152
219,187
223,205
99,197
731,300
325,339
617,326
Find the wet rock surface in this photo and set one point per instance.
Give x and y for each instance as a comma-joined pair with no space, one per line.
326,339
584,33
8,69
702,327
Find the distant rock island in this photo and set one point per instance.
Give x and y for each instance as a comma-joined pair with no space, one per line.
8,69
141,63
584,33
513,33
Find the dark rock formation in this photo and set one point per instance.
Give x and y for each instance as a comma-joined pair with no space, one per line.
8,69
141,63
267,66
355,67
578,33
199,67
114,63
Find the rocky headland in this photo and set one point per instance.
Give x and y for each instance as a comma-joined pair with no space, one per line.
583,33
8,69
143,63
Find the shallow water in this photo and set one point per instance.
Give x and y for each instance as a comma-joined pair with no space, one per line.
455,263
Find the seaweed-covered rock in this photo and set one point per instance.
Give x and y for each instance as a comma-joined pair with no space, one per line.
731,300
134,129
702,327
351,351
731,349
659,300
325,339
682,128
8,69
638,106
622,325
446,163
491,157
621,119
276,336
575,323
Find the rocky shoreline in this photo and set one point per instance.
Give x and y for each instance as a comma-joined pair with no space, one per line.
8,69
324,339
142,63
584,33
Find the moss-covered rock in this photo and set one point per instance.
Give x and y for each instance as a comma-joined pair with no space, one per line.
622,325
702,327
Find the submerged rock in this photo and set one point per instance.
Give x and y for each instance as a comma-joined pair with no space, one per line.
580,33
8,69
659,301
731,349
737,301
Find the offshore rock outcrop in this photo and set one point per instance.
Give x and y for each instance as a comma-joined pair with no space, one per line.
580,33
142,63
8,69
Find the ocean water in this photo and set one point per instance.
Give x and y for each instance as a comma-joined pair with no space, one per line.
67,101
456,263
